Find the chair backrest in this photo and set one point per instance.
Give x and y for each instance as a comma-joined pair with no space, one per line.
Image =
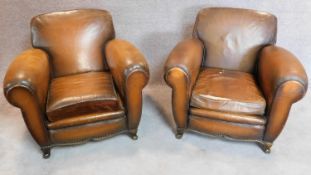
74,40
232,37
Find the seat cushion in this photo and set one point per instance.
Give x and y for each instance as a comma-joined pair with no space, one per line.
228,91
229,117
80,94
86,119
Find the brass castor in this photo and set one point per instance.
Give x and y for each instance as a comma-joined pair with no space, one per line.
46,152
265,146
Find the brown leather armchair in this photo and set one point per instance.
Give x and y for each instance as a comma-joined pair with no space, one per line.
78,83
231,80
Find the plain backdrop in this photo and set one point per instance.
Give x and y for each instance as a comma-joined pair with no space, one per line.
155,27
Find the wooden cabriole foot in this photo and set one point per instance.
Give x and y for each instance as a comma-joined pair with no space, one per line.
179,133
265,146
178,136
46,152
133,134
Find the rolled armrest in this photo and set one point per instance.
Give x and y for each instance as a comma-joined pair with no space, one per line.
283,81
25,86
181,71
186,57
131,73
277,66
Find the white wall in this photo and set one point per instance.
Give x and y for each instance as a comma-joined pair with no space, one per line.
154,26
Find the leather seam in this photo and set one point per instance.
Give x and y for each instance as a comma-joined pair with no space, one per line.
228,122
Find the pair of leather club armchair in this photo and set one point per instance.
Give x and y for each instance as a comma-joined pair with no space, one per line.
79,83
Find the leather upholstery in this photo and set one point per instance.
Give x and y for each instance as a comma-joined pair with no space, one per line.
283,81
229,130
82,133
64,87
232,37
131,74
84,34
26,87
229,117
29,70
228,91
86,119
277,66
245,86
187,56
80,94
181,70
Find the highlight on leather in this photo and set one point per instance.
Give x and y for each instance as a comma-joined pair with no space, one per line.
26,87
74,39
181,70
284,82
130,72
29,70
187,56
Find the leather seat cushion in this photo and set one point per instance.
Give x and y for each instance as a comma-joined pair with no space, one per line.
81,94
86,119
229,117
228,91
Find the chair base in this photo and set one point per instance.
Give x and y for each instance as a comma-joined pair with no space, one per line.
265,146
46,150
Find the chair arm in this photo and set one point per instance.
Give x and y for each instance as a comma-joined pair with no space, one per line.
283,81
25,86
181,71
130,73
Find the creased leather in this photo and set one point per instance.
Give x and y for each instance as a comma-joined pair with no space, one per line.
86,119
228,91
80,94
130,73
74,39
232,37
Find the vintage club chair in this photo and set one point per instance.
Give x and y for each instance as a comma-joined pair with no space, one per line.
78,83
231,80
